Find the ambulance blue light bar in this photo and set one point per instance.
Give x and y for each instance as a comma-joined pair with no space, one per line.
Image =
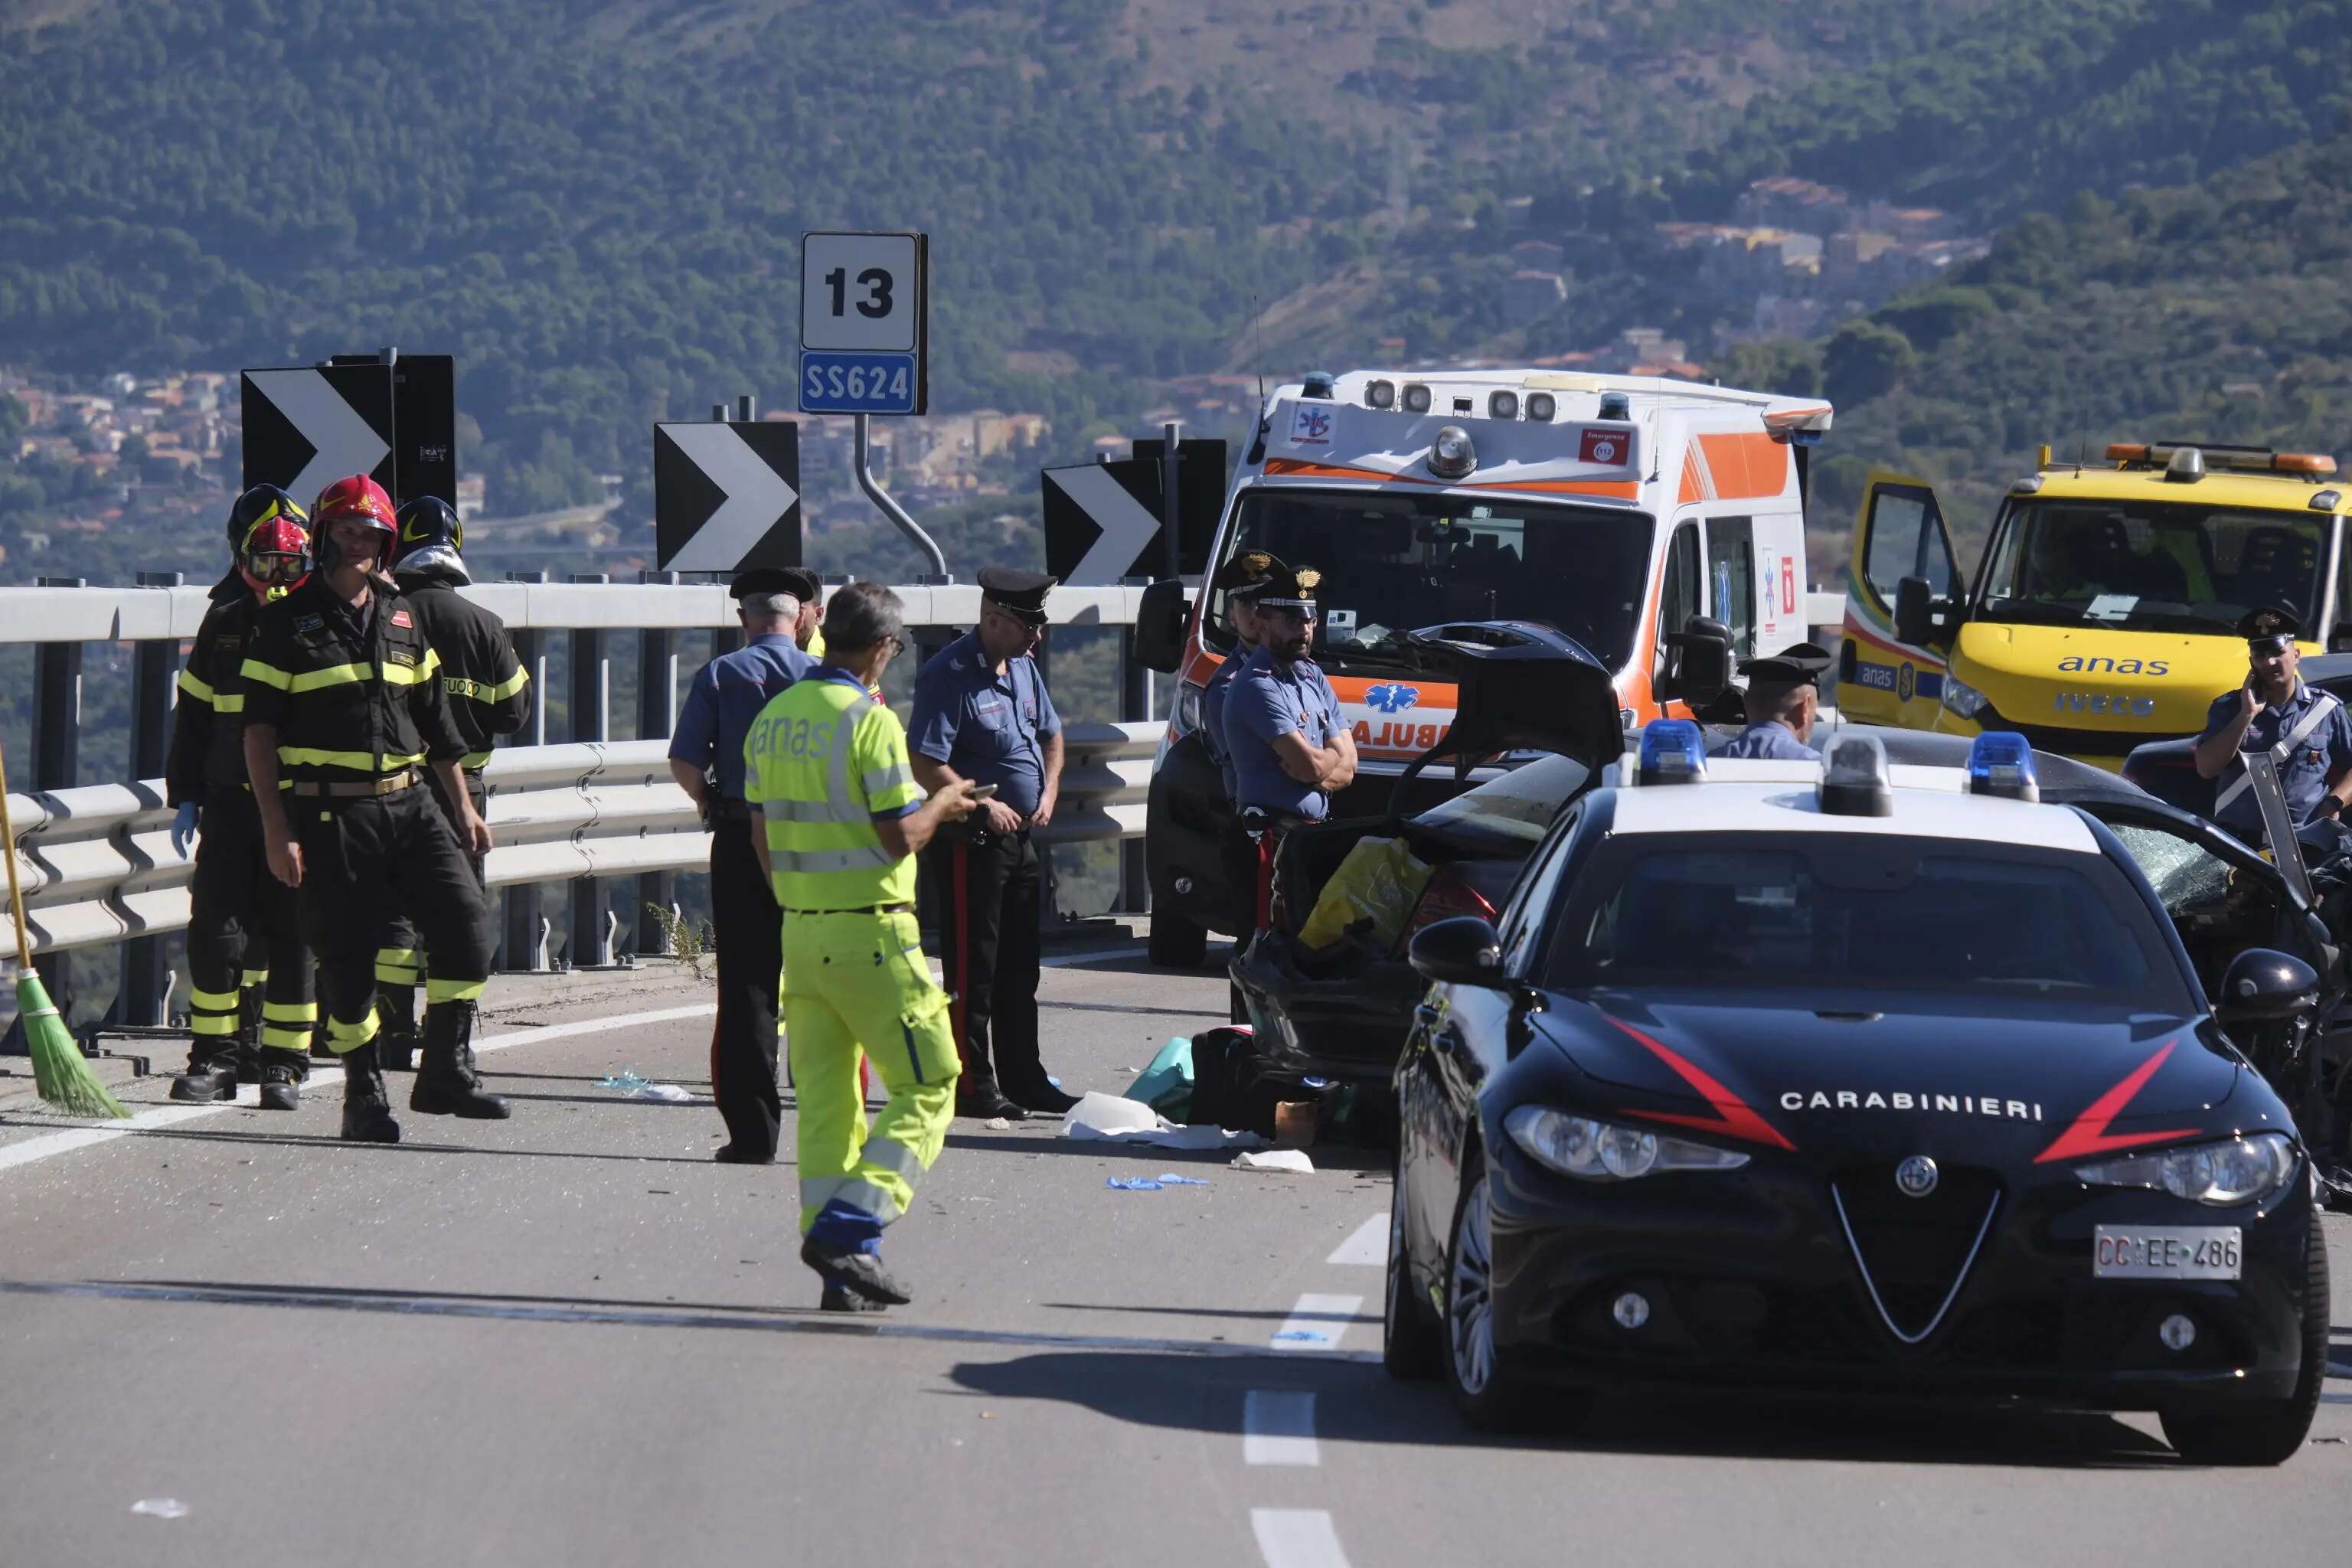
1672,752
2001,763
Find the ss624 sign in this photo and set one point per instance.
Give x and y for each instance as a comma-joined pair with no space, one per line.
865,322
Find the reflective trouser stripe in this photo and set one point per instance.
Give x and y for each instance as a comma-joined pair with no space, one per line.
288,1026
454,990
212,1013
286,1036
289,1012
343,1037
213,1001
249,978
397,966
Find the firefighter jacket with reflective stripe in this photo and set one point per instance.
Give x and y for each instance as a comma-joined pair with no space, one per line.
354,694
488,688
821,763
207,756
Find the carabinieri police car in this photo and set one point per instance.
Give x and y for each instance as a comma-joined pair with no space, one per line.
1763,1078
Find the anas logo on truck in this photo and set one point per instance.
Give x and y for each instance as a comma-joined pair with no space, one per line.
2118,704
2098,664
1391,698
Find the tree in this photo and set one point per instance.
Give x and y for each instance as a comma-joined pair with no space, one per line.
1866,359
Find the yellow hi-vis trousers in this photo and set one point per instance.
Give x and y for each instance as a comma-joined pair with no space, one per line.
858,984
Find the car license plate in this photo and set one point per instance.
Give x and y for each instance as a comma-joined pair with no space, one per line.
2165,1252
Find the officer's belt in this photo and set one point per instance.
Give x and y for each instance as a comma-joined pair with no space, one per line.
390,784
732,809
860,910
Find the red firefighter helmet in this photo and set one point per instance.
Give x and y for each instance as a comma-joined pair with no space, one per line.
276,559
357,499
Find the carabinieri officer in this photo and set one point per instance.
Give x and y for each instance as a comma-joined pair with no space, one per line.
2306,731
981,712
1291,744
1784,693
706,758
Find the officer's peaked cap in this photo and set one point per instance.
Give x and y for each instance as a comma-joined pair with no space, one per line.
1800,664
763,580
2270,629
1249,567
1020,592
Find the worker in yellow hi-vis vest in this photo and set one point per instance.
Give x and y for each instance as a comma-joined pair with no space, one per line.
825,765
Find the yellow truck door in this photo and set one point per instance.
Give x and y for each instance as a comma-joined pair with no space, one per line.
1884,678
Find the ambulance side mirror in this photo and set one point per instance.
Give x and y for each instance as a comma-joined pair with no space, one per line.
1706,670
1160,626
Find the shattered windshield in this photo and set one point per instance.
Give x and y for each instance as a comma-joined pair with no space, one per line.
2136,565
1394,561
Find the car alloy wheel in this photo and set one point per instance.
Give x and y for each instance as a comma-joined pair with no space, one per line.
1470,1296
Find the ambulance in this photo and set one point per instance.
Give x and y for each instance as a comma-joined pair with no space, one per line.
2104,613
1619,509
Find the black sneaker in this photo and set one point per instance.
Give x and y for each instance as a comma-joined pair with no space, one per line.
987,1104
837,1299
861,1273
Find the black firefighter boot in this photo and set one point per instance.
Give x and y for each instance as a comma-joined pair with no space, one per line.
446,1082
212,1069
367,1109
395,1043
282,1072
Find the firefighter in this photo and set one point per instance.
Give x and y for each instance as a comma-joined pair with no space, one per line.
843,817
242,924
344,705
488,693
706,758
983,713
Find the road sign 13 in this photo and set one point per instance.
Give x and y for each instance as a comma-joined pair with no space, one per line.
862,291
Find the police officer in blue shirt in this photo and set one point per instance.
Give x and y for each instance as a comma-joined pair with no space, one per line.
1784,692
981,712
1248,568
706,757
1291,747
2306,731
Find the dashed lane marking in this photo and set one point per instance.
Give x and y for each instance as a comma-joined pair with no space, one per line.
1278,1428
1317,1322
1296,1538
1368,1246
248,1095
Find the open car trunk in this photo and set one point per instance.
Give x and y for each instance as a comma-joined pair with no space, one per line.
1327,986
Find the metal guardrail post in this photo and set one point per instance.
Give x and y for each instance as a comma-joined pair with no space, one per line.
656,718
56,756
520,949
146,987
592,720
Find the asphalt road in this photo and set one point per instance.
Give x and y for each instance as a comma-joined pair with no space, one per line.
569,1339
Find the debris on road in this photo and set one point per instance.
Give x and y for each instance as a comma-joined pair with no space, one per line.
997,1124
1289,1159
161,1507
1152,1184
1166,1085
636,1086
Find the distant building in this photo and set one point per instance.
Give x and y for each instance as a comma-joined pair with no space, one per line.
1529,295
1786,202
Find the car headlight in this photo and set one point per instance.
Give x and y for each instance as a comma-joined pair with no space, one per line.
1187,717
1963,700
2239,1170
1603,1152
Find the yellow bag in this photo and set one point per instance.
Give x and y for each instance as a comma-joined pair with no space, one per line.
1379,881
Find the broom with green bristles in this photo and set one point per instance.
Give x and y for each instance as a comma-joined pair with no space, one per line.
62,1077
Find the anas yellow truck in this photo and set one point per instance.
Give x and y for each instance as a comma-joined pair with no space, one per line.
2104,612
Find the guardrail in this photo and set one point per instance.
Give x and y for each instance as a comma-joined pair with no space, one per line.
98,865
577,809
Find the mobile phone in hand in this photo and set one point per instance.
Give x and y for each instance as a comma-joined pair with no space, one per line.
983,792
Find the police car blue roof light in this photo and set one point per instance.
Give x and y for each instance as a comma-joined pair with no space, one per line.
1854,777
1672,752
2003,764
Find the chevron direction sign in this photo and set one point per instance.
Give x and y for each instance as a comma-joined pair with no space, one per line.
727,495
308,425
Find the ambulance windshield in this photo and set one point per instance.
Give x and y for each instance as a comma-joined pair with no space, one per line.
2135,565
1392,563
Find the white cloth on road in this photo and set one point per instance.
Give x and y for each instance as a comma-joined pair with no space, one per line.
1277,1160
1107,1117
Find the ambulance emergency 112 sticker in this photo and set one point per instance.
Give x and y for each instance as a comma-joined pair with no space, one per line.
1611,448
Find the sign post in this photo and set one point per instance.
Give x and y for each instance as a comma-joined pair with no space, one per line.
866,309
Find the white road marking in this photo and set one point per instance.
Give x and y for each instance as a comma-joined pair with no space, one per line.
248,1095
1317,1322
1296,1538
1278,1428
1368,1246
